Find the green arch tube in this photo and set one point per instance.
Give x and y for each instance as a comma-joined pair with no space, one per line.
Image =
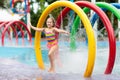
104,5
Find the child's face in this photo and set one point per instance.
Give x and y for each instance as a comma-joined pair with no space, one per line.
49,23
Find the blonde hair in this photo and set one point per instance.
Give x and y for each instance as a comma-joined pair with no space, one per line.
53,19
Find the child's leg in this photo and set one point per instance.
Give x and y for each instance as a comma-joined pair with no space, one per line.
57,57
51,58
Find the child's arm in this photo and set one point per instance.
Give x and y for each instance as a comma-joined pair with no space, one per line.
61,31
37,29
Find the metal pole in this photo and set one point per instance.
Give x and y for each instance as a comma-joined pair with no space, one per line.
28,16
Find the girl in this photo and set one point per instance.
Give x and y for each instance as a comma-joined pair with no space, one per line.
52,41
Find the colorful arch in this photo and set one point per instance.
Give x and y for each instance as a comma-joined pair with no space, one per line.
22,32
111,37
88,27
109,7
14,22
3,25
113,10
104,6
104,18
117,5
14,30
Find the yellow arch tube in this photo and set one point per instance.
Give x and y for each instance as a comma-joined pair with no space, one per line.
87,25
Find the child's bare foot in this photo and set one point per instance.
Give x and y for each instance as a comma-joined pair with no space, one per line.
51,70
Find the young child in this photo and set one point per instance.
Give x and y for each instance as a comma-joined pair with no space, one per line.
52,41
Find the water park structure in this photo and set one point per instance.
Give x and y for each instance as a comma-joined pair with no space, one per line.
81,9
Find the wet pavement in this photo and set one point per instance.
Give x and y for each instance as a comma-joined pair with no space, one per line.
13,70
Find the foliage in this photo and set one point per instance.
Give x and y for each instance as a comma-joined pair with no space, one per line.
50,1
4,3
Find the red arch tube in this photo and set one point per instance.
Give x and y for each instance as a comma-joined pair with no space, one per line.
13,22
3,24
21,32
25,26
14,30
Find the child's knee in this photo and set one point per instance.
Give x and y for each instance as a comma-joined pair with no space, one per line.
50,53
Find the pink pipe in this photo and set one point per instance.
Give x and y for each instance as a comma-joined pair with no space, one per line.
13,22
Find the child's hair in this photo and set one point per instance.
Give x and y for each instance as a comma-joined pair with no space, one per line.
53,19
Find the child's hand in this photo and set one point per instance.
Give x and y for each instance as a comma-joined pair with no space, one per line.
67,32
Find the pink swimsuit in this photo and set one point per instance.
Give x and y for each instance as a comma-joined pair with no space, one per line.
50,36
52,41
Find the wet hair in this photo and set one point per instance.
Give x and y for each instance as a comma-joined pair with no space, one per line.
53,19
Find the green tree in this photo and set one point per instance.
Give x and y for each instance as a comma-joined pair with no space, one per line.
4,3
